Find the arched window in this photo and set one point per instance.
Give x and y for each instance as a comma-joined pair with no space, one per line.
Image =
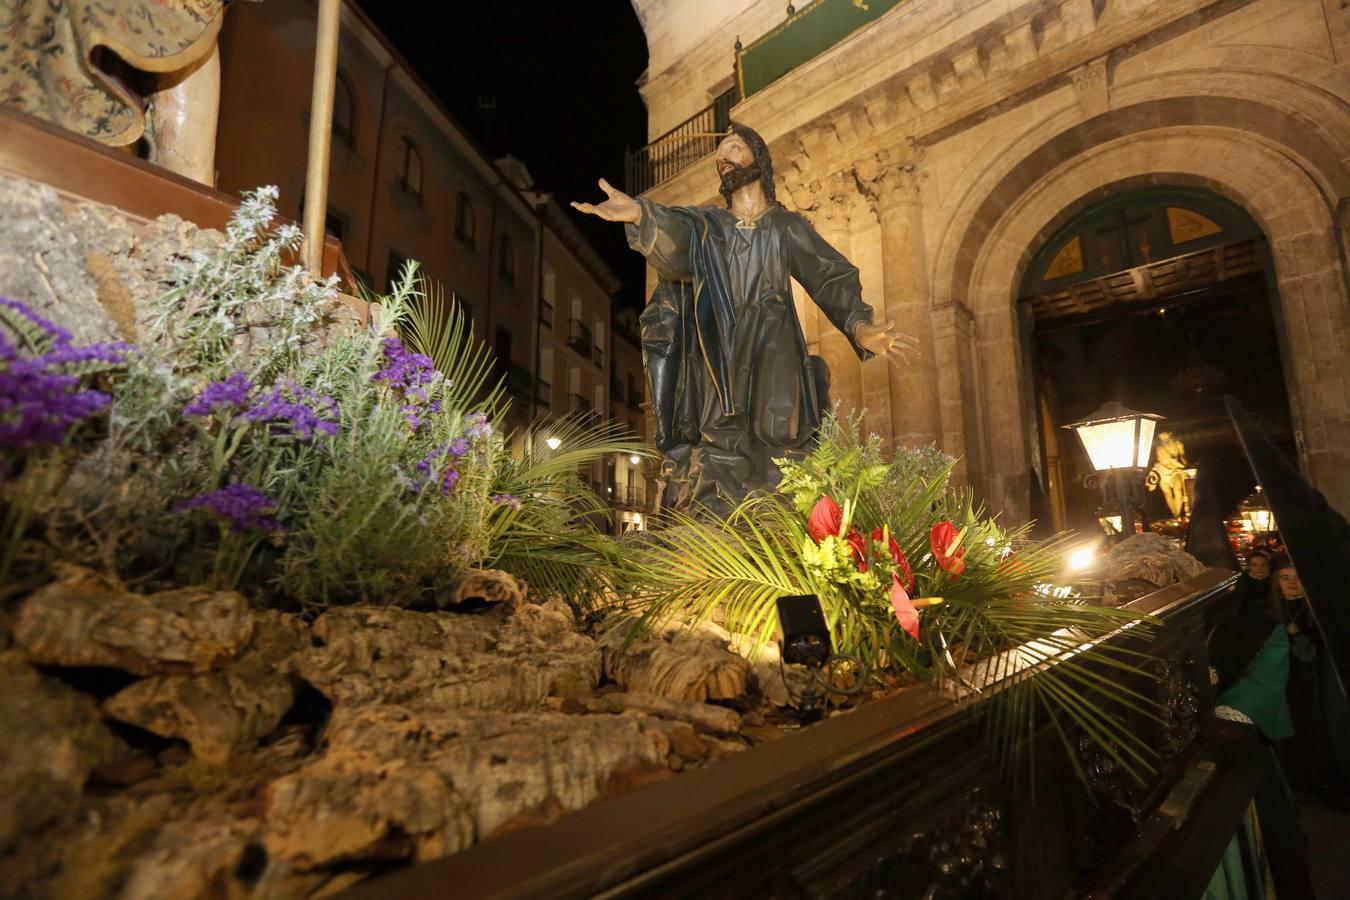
412,170
344,111
464,221
506,260
1133,231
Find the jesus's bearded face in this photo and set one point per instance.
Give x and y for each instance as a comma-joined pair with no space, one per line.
736,164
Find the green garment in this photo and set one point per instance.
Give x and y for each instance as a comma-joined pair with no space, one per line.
1243,873
1260,693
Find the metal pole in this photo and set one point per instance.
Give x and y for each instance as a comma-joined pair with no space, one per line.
320,134
1126,506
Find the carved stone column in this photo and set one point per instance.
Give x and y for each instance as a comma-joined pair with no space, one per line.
914,413
953,351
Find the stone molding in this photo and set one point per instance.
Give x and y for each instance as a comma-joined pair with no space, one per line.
1092,87
1030,48
889,181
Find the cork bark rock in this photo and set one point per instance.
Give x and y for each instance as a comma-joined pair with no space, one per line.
704,717
418,781
504,659
53,738
86,620
695,665
220,712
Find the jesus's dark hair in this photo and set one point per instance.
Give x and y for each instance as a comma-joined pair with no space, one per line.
760,151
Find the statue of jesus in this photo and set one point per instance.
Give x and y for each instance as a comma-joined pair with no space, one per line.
730,379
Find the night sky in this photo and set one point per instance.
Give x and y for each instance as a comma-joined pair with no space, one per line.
564,79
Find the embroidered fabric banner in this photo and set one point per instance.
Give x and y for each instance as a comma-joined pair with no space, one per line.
804,36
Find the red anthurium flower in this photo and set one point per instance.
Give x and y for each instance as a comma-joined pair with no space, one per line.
855,540
899,557
905,612
825,519
944,539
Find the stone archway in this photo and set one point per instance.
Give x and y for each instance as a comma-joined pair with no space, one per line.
1254,171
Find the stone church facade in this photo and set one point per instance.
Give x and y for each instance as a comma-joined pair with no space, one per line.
944,144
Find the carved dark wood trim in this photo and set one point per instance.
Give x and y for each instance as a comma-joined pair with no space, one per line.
1180,698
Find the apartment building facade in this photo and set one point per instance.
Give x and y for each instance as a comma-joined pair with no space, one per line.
408,182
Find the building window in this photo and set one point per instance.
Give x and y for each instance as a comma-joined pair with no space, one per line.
502,346
506,262
335,223
393,269
464,223
412,170
546,313
344,111
550,284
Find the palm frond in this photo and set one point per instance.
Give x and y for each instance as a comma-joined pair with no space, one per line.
437,326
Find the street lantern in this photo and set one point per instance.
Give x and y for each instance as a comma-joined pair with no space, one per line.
1257,516
1117,437
1119,442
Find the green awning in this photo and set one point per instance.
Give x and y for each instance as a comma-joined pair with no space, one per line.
802,37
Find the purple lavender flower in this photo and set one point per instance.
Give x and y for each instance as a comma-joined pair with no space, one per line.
40,395
38,408
448,480
413,413
407,373
232,394
298,409
403,370
510,500
449,476
61,357
477,426
244,506
60,337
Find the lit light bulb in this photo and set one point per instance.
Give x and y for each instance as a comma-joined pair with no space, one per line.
553,443
635,459
1081,558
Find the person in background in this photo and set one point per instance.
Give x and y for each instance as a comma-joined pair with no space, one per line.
1253,585
1317,757
1241,624
1273,671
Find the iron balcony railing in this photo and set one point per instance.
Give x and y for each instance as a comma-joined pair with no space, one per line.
578,404
680,147
630,495
579,337
519,380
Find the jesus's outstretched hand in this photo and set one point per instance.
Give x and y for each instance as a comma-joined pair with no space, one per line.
617,207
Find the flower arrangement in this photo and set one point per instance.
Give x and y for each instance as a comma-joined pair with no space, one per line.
914,580
250,442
